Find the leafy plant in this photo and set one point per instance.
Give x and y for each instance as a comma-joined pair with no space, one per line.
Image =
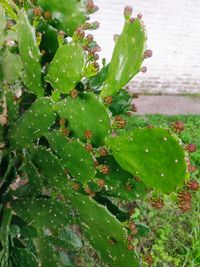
66,157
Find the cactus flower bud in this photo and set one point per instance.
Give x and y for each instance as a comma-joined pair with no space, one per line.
193,185
148,53
139,16
128,12
191,148
143,69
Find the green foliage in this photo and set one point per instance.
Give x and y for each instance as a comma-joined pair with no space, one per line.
62,144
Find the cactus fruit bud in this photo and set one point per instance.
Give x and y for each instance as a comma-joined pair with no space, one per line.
148,53
37,11
88,134
47,15
89,38
193,185
91,8
185,206
104,169
119,122
134,108
139,16
89,147
131,247
131,20
135,95
157,203
108,100
76,186
148,259
91,26
101,183
191,148
143,69
64,131
184,196
103,152
62,122
128,12
74,93
178,126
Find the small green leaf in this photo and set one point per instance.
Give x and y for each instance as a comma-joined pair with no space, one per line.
127,57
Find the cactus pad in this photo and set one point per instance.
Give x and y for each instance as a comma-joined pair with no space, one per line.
66,68
33,123
30,56
104,232
154,155
74,156
84,113
127,57
65,17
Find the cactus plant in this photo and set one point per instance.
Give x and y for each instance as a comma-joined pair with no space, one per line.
65,139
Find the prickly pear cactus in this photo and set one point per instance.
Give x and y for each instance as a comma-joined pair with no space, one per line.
68,154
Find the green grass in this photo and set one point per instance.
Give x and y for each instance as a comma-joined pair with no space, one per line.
175,237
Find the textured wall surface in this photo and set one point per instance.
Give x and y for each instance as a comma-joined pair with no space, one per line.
173,29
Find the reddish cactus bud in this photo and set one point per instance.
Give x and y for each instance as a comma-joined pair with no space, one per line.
148,53
184,196
108,100
80,33
128,12
37,11
47,15
191,168
89,147
96,163
104,169
62,122
178,126
101,183
135,95
193,185
89,38
134,108
76,186
157,203
91,8
137,179
131,247
191,148
88,134
148,259
139,16
119,122
64,131
131,20
185,206
74,93
103,152
143,69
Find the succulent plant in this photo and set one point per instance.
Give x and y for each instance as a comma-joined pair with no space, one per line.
68,153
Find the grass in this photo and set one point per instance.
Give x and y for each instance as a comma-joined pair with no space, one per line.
174,240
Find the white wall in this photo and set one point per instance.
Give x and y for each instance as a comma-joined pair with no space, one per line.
173,28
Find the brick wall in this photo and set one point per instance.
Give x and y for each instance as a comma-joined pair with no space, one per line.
173,29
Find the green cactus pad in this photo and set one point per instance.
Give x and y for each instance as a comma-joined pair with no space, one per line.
23,258
74,156
30,56
83,113
34,123
12,67
152,154
119,183
49,167
65,17
12,107
104,232
127,57
66,68
35,212
34,177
